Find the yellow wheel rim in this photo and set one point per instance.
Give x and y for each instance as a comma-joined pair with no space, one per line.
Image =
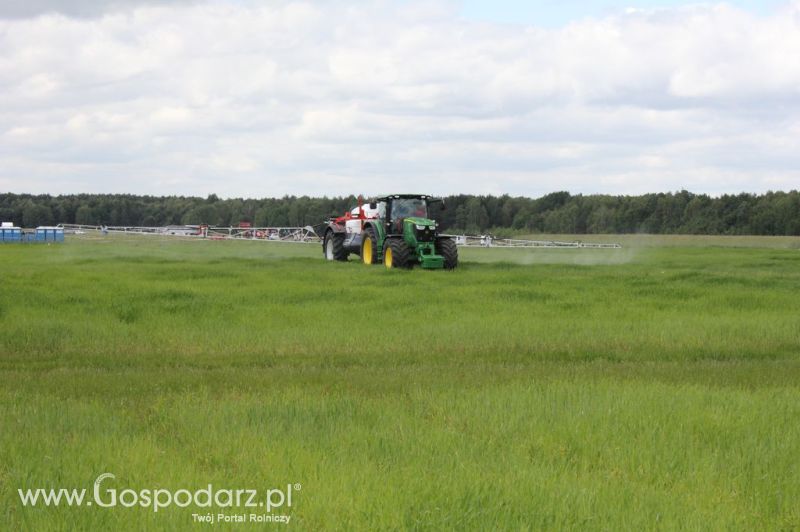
387,258
367,250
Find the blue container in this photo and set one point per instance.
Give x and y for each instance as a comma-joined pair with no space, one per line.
49,234
10,234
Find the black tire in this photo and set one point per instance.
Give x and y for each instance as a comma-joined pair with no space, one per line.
333,246
446,247
369,256
399,252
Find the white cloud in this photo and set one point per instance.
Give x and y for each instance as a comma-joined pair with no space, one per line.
78,8
340,98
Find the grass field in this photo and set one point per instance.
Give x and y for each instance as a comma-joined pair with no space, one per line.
653,387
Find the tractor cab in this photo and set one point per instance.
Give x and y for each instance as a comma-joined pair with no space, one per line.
399,207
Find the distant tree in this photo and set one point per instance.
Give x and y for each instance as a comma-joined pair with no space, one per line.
601,221
202,214
36,214
773,213
84,215
522,220
476,219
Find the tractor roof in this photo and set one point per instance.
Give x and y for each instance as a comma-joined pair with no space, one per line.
404,196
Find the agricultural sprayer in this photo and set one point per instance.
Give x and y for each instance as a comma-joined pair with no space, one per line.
395,230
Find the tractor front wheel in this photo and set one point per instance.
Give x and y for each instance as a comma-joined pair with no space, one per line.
369,247
396,254
446,247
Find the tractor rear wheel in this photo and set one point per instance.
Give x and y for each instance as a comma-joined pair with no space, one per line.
446,247
396,254
334,246
369,247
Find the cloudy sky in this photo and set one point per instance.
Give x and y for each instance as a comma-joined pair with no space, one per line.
253,99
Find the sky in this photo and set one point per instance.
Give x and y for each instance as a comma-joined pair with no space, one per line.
246,98
555,13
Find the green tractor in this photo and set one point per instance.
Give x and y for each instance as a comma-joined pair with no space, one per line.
394,230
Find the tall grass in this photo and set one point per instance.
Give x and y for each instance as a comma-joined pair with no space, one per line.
643,388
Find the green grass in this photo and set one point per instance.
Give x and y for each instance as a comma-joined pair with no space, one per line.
657,386
646,240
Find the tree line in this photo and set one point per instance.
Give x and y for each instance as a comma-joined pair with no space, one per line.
772,213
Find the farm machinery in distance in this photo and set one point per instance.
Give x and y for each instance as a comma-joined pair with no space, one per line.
395,230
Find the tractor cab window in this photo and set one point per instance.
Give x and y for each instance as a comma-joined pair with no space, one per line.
404,208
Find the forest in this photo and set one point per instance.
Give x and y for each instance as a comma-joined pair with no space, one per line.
683,212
